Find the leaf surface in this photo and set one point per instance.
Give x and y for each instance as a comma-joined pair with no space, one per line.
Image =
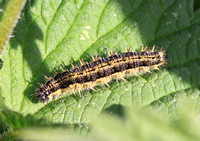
53,33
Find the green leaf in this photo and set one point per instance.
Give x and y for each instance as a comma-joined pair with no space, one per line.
49,134
137,125
54,33
15,122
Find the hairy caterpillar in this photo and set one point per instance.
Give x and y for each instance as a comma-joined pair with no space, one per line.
100,71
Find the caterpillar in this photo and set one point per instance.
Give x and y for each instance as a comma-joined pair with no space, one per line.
100,71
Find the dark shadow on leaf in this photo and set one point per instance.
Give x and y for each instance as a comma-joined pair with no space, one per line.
115,109
1,63
3,127
29,34
196,5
